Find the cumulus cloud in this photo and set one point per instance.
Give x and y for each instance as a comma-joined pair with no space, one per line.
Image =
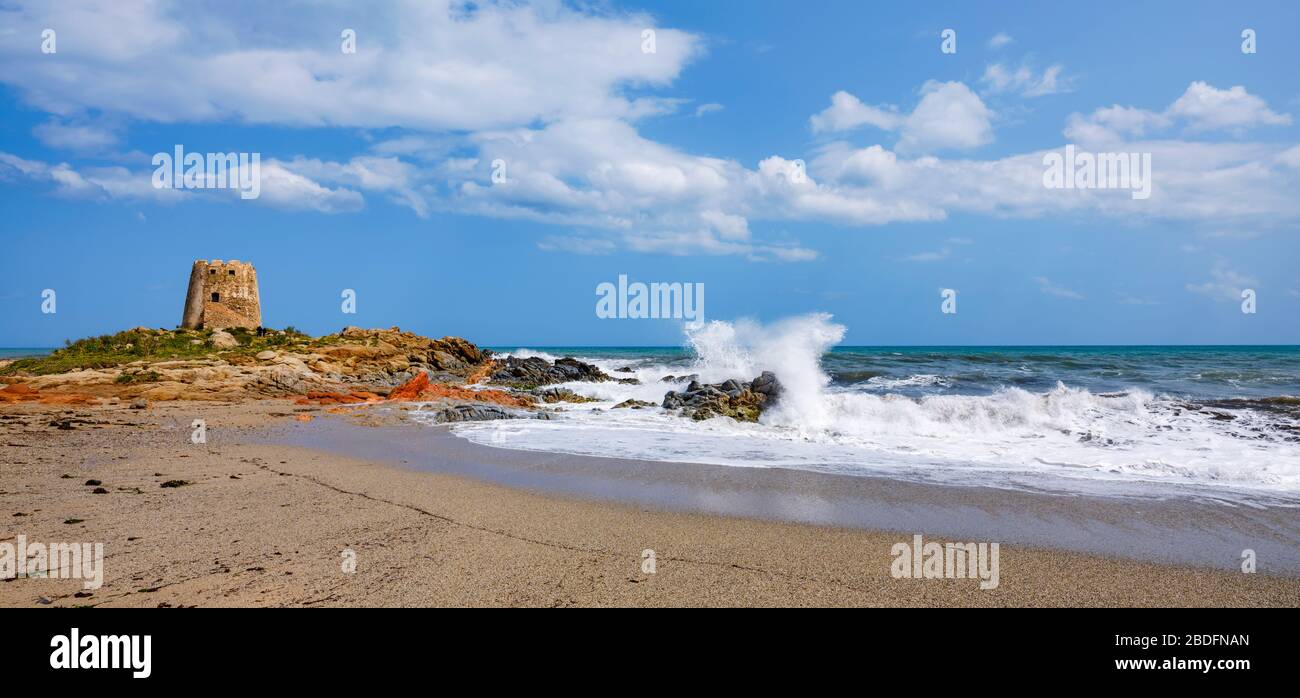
847,112
284,188
417,64
948,116
1201,108
1114,123
1206,108
452,88
387,175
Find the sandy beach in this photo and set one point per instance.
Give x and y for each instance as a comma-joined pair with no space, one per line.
274,504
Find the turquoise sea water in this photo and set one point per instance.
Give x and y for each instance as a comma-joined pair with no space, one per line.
1202,372
22,353
1218,419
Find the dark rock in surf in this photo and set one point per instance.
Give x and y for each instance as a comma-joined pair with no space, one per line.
634,404
534,371
480,413
673,379
553,395
743,402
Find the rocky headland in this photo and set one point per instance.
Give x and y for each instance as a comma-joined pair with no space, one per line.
451,377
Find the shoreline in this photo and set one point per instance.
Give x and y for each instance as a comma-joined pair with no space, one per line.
1186,531
261,524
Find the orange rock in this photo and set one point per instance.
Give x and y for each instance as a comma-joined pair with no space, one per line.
410,390
419,388
68,399
304,418
21,392
320,397
481,373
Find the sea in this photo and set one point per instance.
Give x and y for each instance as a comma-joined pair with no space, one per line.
1216,422
22,353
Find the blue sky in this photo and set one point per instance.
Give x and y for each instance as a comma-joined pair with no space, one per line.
923,168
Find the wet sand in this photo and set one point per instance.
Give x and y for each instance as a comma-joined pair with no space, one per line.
274,507
1201,532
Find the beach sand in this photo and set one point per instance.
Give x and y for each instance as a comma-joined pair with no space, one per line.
274,505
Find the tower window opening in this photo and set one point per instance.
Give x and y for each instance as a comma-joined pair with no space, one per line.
216,298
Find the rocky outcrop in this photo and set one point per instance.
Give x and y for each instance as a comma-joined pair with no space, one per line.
740,401
478,413
19,392
411,389
396,356
235,365
676,379
529,373
634,404
420,389
553,395
222,339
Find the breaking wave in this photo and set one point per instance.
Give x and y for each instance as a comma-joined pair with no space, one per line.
925,424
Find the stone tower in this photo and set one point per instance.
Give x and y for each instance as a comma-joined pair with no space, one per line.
221,295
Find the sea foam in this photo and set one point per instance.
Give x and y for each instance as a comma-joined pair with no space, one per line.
1010,436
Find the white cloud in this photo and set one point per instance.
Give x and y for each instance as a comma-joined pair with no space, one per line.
999,79
847,112
727,225
1290,157
563,122
1206,108
418,64
91,183
390,175
708,108
284,188
75,137
1052,289
942,254
999,40
1225,284
949,116
1114,123
1201,108
1209,185
280,187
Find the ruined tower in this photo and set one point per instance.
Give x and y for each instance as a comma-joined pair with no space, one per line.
221,295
